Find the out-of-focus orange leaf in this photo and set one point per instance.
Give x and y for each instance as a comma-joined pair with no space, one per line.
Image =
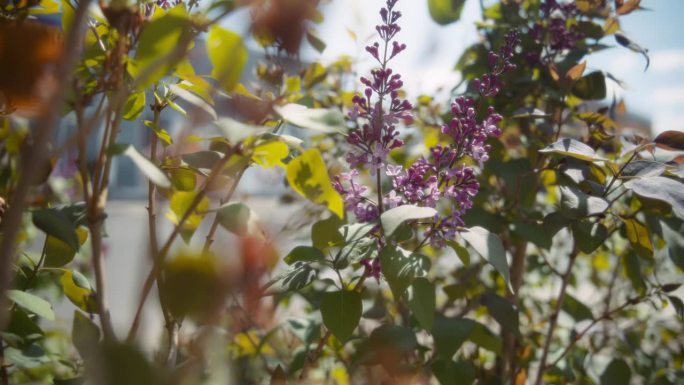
576,71
627,7
29,53
283,21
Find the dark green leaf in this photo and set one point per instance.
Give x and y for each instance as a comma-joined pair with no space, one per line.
633,270
450,333
617,373
485,338
631,45
589,236
401,267
576,309
503,312
452,373
422,302
325,233
591,87
56,223
304,254
341,311
642,169
489,246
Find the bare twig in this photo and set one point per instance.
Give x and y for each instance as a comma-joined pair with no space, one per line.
553,318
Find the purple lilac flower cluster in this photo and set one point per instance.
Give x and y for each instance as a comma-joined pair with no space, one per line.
427,182
561,36
376,134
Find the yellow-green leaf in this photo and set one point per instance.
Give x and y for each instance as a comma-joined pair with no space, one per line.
58,253
77,288
270,154
639,237
228,56
180,203
308,176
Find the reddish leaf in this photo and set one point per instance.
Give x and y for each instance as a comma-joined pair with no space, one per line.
670,140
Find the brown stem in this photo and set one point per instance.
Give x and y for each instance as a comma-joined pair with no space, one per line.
553,318
214,224
163,252
33,158
4,376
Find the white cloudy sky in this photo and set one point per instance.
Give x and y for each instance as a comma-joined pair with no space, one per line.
657,94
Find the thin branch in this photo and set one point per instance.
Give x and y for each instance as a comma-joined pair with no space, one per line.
163,252
34,157
553,318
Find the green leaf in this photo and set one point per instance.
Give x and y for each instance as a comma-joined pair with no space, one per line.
400,267
317,119
158,40
160,133
503,312
149,169
445,12
298,276
633,269
239,219
489,246
461,251
315,40
572,148
121,363
533,232
576,309
485,338
194,100
450,373
32,303
237,132
183,178
660,188
341,311
589,236
325,233
591,87
56,223
639,237
84,334
308,176
616,373
306,254
228,56
134,105
450,333
575,204
22,326
642,169
392,218
205,159
422,302
387,345
179,204
58,253
673,230
29,357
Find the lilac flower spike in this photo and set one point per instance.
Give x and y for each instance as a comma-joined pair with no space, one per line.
442,180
